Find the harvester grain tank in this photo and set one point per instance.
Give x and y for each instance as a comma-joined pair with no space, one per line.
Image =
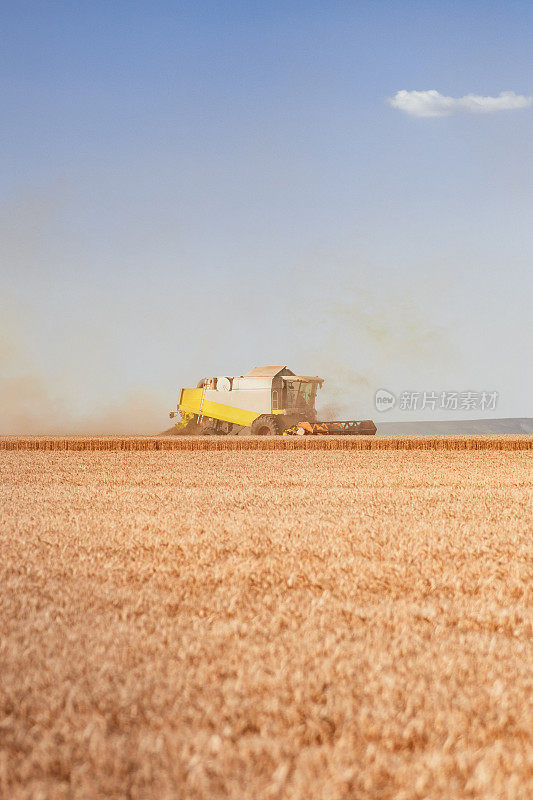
267,400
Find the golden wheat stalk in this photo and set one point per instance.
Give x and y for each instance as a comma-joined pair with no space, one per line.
121,443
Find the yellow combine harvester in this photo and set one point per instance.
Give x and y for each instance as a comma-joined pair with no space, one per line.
267,400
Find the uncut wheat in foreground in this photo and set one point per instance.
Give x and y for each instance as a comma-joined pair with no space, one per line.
307,624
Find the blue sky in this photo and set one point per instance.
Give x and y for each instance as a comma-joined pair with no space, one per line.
194,188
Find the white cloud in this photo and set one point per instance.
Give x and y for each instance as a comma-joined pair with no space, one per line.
434,104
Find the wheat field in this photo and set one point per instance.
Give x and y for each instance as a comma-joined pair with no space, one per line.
266,624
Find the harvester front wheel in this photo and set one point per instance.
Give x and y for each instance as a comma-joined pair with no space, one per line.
267,425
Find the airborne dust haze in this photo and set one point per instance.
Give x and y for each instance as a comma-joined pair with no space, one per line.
99,342
384,336
353,342
96,343
30,404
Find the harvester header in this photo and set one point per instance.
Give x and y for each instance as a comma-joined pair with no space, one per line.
267,401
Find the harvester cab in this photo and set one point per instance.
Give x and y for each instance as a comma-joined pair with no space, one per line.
267,401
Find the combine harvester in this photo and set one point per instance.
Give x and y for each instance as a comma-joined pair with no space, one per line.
269,401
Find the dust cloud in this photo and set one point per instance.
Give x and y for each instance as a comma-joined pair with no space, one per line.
358,338
368,339
358,343
29,406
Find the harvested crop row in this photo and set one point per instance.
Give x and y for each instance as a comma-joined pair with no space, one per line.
125,443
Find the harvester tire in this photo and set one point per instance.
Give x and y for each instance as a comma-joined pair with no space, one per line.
267,425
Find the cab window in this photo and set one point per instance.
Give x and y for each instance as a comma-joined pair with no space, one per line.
306,394
300,393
